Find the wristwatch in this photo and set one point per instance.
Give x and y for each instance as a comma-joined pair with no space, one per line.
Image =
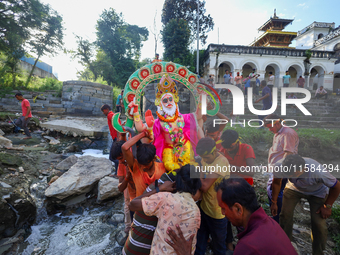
328,206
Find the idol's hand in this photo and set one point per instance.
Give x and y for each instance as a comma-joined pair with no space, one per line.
150,121
133,106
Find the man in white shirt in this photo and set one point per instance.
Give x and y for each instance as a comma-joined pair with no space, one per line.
320,92
271,80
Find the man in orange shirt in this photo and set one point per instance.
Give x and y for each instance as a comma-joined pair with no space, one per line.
126,184
26,115
144,168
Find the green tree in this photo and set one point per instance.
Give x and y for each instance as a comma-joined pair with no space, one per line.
18,18
48,38
176,40
85,52
187,10
121,42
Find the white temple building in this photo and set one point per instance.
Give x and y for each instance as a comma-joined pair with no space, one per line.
271,53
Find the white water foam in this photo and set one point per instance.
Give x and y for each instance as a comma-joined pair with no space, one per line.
94,153
70,235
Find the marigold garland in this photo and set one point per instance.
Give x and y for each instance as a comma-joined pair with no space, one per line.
172,119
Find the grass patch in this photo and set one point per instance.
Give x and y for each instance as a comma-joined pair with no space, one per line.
4,115
336,213
116,92
336,238
326,137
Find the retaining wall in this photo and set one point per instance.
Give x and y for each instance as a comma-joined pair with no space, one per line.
79,98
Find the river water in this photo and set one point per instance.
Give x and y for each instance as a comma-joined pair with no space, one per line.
83,231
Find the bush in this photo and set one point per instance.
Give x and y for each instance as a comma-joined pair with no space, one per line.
116,91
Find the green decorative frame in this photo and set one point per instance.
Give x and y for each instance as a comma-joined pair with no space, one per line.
175,71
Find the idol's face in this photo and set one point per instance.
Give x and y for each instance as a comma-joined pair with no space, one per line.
168,101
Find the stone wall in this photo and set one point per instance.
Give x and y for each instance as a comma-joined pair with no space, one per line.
79,98
85,98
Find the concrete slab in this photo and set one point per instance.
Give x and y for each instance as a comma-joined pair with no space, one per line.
82,126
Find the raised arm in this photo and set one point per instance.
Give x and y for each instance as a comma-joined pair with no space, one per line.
222,116
126,149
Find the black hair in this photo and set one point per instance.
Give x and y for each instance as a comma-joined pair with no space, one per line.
238,190
116,149
210,128
145,153
205,145
271,117
293,163
18,94
228,137
104,107
263,83
186,184
270,72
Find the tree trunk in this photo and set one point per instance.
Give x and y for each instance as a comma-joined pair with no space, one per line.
13,78
31,73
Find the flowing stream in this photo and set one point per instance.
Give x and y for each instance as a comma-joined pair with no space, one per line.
84,231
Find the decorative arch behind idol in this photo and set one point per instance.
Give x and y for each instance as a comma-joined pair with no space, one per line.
145,75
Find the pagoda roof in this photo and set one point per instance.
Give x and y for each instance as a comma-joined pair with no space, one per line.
276,19
265,34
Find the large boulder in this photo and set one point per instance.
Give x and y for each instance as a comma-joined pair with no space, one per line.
66,164
107,188
10,159
4,142
80,178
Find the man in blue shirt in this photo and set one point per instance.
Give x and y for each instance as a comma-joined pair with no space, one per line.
286,79
266,99
226,77
119,102
246,86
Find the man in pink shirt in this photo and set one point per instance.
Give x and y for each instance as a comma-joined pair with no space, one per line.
285,142
26,115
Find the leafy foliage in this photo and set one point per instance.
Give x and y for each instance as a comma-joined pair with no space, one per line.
48,38
175,37
85,52
187,10
121,43
336,213
26,24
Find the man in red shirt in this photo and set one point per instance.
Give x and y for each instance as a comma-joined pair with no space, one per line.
261,235
26,115
239,155
106,109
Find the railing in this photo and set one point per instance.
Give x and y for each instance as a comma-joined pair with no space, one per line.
328,37
316,24
266,51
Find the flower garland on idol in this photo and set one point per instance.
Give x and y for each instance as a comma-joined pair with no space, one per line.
176,137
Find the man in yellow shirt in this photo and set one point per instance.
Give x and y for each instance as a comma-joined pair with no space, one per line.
214,168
